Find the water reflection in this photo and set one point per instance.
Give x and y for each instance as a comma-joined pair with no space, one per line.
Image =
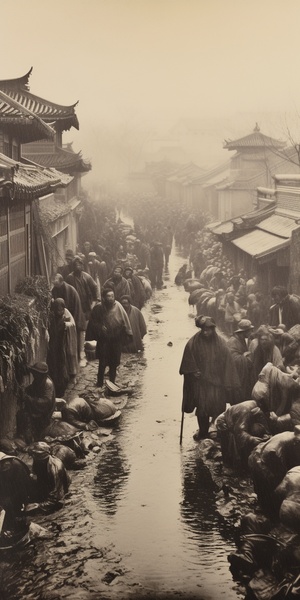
197,507
112,475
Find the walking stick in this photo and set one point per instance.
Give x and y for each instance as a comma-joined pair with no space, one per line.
181,428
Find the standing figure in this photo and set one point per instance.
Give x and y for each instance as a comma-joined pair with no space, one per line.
232,312
210,376
87,291
157,265
167,240
62,349
137,291
118,283
138,326
62,289
238,347
109,324
67,268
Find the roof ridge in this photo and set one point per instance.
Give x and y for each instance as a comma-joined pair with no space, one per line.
10,101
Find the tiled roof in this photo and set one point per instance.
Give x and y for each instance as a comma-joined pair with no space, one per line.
18,89
30,126
29,181
53,208
256,139
61,159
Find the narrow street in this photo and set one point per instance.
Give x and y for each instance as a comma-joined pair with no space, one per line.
140,521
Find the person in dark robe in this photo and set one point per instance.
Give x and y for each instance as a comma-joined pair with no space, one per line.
118,283
137,291
67,268
156,265
242,358
15,487
62,289
38,404
108,325
263,350
210,376
62,347
286,308
138,326
84,285
88,293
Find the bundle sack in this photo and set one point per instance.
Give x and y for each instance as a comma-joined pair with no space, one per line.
102,409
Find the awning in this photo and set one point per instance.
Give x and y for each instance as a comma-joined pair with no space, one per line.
259,243
278,225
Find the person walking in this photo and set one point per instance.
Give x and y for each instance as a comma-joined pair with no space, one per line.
210,376
108,325
138,326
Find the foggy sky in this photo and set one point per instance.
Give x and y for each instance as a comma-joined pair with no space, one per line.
152,61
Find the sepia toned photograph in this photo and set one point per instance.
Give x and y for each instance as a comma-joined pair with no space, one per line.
150,300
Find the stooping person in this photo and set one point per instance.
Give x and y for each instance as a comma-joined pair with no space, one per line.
210,376
268,464
78,413
38,404
240,428
278,391
88,414
51,478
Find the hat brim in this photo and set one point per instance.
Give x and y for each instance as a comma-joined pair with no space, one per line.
33,370
243,330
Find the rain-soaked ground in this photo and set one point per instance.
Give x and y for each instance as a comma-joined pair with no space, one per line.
140,521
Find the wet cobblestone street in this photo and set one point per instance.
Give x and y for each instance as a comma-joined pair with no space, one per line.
140,520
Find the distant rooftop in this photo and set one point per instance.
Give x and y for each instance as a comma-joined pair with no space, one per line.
256,139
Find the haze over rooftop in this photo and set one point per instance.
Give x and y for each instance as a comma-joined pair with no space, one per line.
145,63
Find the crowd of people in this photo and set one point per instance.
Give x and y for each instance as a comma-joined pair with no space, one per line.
97,299
241,370
241,375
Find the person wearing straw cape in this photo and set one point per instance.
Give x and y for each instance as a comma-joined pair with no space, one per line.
210,376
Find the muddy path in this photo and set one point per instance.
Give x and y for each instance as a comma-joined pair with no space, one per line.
141,520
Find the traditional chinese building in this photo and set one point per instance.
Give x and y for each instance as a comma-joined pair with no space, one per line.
56,215
266,241
20,184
